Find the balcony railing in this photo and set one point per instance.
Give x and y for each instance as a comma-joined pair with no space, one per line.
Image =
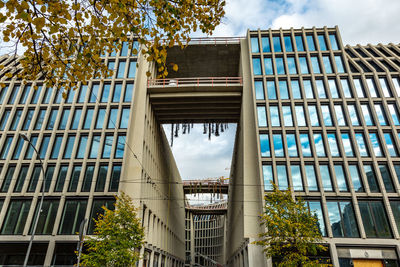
200,81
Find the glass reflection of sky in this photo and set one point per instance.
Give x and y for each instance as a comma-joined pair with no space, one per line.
287,115
291,143
278,145
333,145
264,143
319,145
311,179
361,145
305,145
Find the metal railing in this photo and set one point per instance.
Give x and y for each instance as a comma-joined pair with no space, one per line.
209,81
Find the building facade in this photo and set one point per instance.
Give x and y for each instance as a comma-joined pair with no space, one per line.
312,115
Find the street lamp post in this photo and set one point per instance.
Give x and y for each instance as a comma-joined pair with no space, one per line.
36,218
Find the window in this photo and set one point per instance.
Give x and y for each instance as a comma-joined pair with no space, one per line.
283,90
97,209
301,120
280,66
34,178
356,178
342,219
334,44
121,69
347,145
394,113
287,115
339,64
315,64
28,119
6,147
47,96
18,148
264,145
374,219
7,179
73,214
291,65
381,114
82,147
359,87
340,178
94,92
355,121
101,178
16,119
322,44
112,120
396,83
310,42
82,93
333,88
124,118
44,147
70,97
256,66
376,147
265,44
288,43
105,93
52,120
308,89
25,94
58,98
333,147
76,118
4,119
128,92
305,145
135,48
320,88
87,180
64,119
117,92
88,118
296,177
327,64
14,94
40,119
262,117
56,147
69,147
292,145
296,89
299,43
319,145
49,176
371,178
390,144
278,145
62,173
16,217
276,40
254,45
46,218
316,210
110,67
132,69
274,112
367,115
371,87
395,205
325,177
30,150
269,68
271,90
268,177
3,92
108,142
346,88
115,176
119,151
303,65
101,113
94,148
73,182
339,115
397,169
311,178
23,172
282,177
386,177
259,90
385,87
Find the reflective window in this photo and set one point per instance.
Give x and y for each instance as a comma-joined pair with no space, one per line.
115,176
265,44
264,145
283,90
308,89
268,177
94,93
105,92
28,119
280,66
262,117
47,96
87,179
303,65
44,146
72,216
52,119
327,64
14,94
101,113
397,169
394,113
16,119
385,87
30,150
359,87
299,43
320,88
49,177
269,68
347,145
391,147
356,178
396,83
291,65
59,95
339,115
121,69
117,92
367,115
73,182
128,92
346,88
315,64
288,43
376,145
381,114
271,90
282,177
322,44
342,219
319,145
395,205
82,93
3,92
108,142
374,219
70,96
62,173
278,145
256,66
56,147
16,217
124,50
296,177
296,92
112,120
372,87
64,119
124,118
97,209
7,179
4,119
291,143
276,40
333,88
101,178
274,112
340,178
88,118
40,119
355,121
254,45
34,179
132,69
371,178
25,94
387,179
332,39
287,116
339,64
119,151
316,210
305,145
76,119
333,147
135,48
326,177
23,172
94,148
301,121
18,148
80,154
47,217
69,147
310,42
259,88
311,178
110,67
361,145
6,147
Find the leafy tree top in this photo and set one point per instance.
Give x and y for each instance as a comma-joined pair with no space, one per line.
118,236
64,39
291,230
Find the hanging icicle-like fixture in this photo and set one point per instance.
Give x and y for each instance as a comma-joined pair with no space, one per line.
210,128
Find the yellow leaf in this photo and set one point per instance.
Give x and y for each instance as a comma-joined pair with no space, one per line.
175,67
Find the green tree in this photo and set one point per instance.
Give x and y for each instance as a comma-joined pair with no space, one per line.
118,237
64,39
291,230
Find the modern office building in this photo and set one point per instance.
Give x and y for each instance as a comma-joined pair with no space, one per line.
312,115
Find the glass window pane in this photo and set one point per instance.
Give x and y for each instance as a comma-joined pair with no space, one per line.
315,64
359,87
124,118
278,145
47,96
88,118
356,178
82,93
269,68
254,45
73,214
108,142
320,88
340,178
372,87
268,177
271,90
16,119
76,119
110,67
94,149
105,92
3,92
287,116
256,66
112,120
319,145
308,89
34,179
49,177
296,89
56,147
119,152
291,65
301,121
395,205
282,177
101,178
259,90
73,182
333,145
391,147
280,65
47,217
69,147
30,150
7,179
18,148
117,92
394,113
52,120
132,69
322,44
64,119
6,147
291,143
355,121
346,88
262,117
44,146
305,145
124,50
347,145
349,220
94,93
14,94
387,179
367,115
396,83
62,173
339,64
23,172
87,181
339,115
264,145
311,178
371,178
274,112
128,92
325,177
316,211
376,144
303,65
296,178
97,209
310,42
40,119
265,44
16,217
385,87
288,43
334,44
25,94
4,119
374,219
333,88
283,90
115,176
327,64
299,43
380,114
101,113
28,119
277,43
82,147
121,69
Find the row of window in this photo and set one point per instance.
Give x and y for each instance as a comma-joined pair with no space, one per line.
298,178
296,144
124,52
122,69
311,115
56,179
108,92
72,215
372,51
112,118
287,44
343,223
98,146
306,89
